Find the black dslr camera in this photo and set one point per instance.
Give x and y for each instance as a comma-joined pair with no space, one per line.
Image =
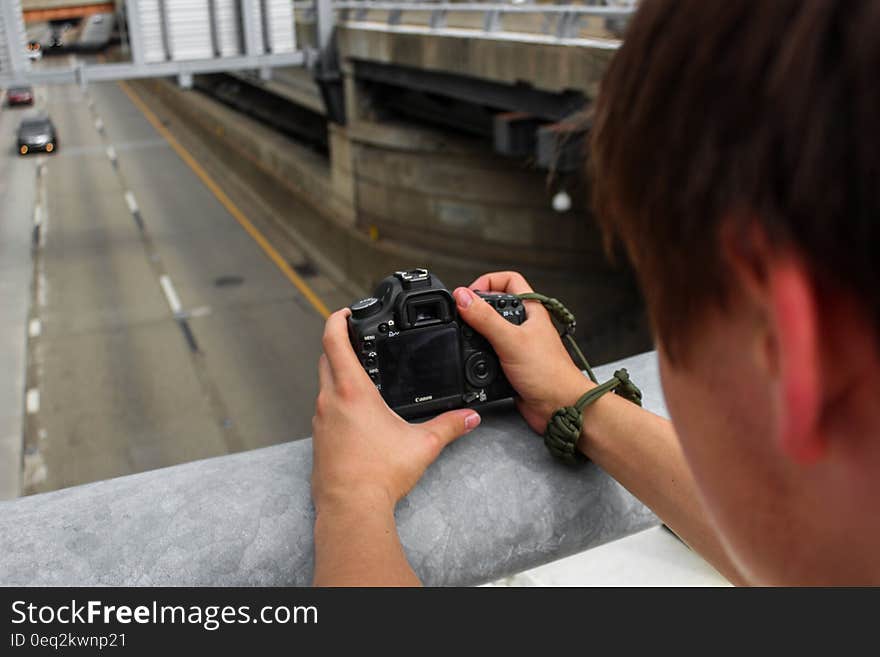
421,355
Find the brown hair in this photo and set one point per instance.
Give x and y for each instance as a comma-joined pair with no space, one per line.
734,111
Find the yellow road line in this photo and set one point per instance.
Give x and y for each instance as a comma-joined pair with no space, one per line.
245,223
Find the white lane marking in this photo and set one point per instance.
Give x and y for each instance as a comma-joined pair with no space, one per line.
132,203
42,291
35,327
99,124
170,294
38,215
201,311
111,153
33,401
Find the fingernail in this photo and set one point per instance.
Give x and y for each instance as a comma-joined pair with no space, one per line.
463,298
471,421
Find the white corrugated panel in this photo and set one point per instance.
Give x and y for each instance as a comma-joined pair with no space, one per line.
258,17
226,20
150,16
18,37
279,26
5,65
189,29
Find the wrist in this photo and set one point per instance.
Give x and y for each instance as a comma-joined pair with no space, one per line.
569,390
354,500
565,391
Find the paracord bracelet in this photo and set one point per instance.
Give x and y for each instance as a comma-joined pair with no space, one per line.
564,428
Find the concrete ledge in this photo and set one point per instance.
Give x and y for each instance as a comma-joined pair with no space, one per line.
495,503
551,67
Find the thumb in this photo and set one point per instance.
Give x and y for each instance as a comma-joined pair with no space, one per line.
484,319
453,424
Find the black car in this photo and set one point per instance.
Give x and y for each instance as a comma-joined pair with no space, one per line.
19,96
37,133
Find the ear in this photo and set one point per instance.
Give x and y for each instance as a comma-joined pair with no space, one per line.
793,305
779,283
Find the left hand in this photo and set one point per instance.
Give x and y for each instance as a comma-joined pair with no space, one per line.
362,449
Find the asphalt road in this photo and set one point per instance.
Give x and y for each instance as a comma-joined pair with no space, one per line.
158,345
17,191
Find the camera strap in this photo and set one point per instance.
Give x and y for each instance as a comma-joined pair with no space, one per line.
564,428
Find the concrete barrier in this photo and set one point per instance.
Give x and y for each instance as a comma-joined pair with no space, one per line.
494,503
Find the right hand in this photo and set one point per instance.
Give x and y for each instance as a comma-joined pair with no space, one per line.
532,354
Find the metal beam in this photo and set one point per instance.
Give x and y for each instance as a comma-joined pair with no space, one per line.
519,98
325,23
127,71
166,30
514,133
561,146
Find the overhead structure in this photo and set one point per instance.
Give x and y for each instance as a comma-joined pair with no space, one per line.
57,10
171,37
182,30
13,61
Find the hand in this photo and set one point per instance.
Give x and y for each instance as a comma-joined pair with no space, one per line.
532,355
362,449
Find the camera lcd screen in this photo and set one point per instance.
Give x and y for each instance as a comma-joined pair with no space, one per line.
421,363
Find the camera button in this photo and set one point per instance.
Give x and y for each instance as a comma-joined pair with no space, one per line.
514,302
370,362
374,376
369,345
383,328
502,303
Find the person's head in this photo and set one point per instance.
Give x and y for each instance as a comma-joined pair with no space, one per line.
735,152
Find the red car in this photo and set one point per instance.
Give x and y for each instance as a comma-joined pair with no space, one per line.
19,96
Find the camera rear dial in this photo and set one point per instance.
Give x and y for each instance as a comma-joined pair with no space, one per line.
480,369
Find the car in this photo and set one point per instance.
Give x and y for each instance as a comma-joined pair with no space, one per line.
34,51
37,133
19,96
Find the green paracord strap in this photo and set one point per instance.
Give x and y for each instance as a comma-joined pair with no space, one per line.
564,428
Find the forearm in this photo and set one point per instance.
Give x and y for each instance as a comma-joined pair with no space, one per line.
356,544
641,451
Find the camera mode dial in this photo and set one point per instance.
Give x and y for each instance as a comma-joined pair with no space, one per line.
365,307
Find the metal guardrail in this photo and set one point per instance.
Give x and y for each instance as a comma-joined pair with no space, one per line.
494,503
559,21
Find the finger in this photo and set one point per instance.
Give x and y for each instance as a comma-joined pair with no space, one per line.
511,282
337,346
325,376
484,319
454,424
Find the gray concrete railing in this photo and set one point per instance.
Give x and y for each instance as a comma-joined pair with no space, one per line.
494,503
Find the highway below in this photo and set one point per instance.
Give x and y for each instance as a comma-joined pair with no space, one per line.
160,331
